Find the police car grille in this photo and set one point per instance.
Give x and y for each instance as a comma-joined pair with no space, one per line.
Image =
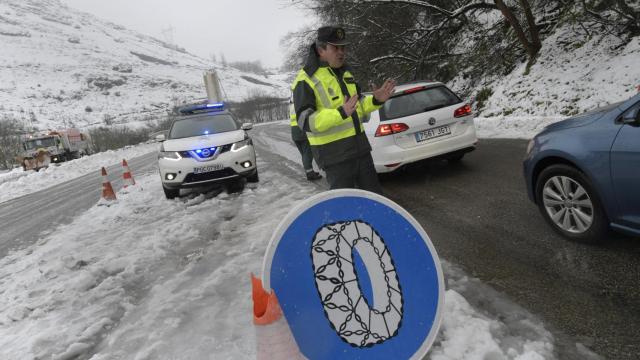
218,174
223,149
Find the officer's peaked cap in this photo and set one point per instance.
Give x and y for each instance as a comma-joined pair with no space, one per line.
333,35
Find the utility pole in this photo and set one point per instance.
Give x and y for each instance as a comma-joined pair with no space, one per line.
212,84
167,34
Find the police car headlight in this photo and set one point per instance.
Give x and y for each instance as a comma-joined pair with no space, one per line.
240,144
169,155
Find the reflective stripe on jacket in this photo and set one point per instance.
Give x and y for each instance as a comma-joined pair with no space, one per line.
296,133
292,115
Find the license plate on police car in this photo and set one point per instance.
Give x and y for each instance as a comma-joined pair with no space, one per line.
433,133
206,169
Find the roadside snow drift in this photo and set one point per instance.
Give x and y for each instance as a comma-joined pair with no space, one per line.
149,278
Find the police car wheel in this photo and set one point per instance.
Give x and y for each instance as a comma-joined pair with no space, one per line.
235,186
253,178
171,193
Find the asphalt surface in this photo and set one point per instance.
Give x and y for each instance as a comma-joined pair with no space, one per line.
27,218
478,216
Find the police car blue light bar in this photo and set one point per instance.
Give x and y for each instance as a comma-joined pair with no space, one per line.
202,108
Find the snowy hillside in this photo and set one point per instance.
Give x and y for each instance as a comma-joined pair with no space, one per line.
572,75
59,66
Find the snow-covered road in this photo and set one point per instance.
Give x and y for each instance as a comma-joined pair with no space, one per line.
149,278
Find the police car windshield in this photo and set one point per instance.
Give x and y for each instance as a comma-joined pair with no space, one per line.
205,124
40,143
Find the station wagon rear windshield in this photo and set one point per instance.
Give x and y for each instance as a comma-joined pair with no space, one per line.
415,102
205,124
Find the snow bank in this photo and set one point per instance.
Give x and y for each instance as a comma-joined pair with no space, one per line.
148,278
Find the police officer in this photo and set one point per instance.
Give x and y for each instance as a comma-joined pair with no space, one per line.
329,107
300,139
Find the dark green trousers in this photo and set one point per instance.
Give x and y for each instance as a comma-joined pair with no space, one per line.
300,139
358,173
307,157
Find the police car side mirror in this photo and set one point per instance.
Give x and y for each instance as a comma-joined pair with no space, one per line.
247,126
160,138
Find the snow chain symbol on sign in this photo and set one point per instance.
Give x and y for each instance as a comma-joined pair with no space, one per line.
355,320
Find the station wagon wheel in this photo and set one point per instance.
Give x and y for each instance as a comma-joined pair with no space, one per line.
568,202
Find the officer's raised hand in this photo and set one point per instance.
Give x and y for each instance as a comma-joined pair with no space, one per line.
383,93
350,105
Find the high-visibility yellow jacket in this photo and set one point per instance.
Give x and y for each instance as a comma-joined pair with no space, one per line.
318,95
296,133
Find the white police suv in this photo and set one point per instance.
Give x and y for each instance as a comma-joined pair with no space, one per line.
205,145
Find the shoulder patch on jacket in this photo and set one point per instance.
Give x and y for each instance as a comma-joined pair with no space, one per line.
349,80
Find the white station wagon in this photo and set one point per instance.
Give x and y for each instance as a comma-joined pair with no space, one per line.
205,145
421,120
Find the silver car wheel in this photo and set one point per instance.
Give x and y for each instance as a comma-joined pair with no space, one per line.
568,204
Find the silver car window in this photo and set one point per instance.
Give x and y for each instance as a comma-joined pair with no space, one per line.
205,124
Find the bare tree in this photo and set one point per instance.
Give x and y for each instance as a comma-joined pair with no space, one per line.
408,39
445,39
619,16
531,42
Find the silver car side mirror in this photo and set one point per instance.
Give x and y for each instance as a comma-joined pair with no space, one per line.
247,126
160,138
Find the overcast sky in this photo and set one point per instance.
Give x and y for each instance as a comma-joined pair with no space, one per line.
243,30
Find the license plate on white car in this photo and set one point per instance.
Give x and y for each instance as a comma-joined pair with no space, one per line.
206,169
433,133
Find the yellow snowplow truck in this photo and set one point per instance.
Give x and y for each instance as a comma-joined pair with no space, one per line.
39,151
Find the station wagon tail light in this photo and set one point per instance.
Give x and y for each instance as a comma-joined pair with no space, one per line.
388,129
462,111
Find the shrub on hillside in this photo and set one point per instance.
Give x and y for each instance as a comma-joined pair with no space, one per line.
111,138
260,108
482,97
10,132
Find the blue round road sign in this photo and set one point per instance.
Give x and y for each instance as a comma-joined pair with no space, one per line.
357,278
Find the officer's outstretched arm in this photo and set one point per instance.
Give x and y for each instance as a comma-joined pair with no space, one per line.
368,102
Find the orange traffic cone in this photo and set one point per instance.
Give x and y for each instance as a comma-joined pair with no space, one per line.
128,179
273,336
107,189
